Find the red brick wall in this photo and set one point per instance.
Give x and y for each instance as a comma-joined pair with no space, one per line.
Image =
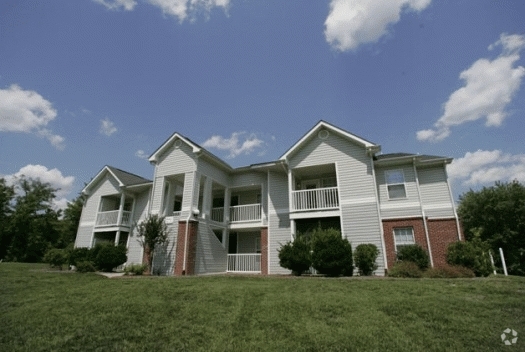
441,233
264,251
191,248
388,229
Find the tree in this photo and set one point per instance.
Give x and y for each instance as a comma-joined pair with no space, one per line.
153,232
6,197
70,221
33,225
496,215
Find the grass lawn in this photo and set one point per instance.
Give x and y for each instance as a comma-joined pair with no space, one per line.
47,311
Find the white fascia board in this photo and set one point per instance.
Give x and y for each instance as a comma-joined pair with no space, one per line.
154,157
98,177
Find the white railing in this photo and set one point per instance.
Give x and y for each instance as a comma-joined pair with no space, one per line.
217,214
176,214
110,218
238,213
245,263
249,212
313,199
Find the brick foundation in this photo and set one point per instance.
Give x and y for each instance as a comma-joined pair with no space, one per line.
191,248
388,230
264,251
442,232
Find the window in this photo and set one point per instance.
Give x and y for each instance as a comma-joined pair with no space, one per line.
403,236
395,183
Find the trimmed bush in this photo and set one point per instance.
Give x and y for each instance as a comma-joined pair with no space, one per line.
56,257
135,269
448,272
365,256
296,256
85,266
405,269
415,254
109,256
81,254
473,255
331,254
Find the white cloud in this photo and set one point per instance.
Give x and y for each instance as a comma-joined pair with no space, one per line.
234,145
484,167
489,88
28,112
127,5
63,184
141,154
107,127
183,9
351,23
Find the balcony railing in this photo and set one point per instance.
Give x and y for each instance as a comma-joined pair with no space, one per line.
238,213
110,218
244,263
315,199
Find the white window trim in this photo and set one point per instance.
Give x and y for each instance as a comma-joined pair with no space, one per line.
395,184
404,244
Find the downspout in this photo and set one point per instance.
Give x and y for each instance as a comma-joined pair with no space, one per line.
186,242
383,247
423,213
453,203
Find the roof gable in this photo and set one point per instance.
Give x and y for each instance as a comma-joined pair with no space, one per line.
325,125
123,178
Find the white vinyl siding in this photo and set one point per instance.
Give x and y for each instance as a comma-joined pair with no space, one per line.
401,207
435,195
359,214
107,186
211,257
139,213
279,220
164,256
176,161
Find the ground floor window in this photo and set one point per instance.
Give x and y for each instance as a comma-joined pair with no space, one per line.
403,236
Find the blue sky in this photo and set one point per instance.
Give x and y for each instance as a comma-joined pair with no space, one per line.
87,83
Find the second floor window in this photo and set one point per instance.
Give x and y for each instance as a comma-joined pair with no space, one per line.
395,183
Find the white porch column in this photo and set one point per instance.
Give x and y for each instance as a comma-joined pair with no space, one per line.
121,208
207,198
227,202
117,238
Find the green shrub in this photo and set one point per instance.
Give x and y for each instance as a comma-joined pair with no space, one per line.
331,254
296,256
135,269
81,254
405,269
448,272
56,257
85,266
109,256
365,256
473,255
415,254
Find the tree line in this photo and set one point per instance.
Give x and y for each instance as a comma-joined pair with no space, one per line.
29,223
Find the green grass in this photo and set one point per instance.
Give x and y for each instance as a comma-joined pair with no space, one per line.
43,311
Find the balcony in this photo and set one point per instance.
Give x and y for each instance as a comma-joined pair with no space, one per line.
315,199
238,213
111,218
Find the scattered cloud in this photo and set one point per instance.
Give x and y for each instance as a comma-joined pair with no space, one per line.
63,184
141,154
351,23
189,9
28,112
107,127
238,143
127,5
489,88
484,167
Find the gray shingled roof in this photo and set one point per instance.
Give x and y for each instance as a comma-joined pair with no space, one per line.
422,157
128,179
